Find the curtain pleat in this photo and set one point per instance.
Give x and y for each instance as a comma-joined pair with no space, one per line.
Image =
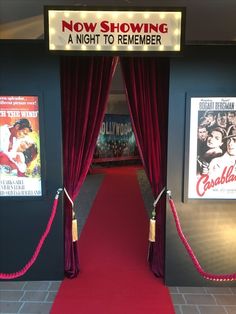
147,84
85,85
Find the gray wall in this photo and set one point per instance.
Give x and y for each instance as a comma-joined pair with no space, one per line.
208,70
26,69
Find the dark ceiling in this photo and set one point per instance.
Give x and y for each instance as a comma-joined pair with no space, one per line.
206,20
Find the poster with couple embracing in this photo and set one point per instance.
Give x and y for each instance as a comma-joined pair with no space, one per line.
20,164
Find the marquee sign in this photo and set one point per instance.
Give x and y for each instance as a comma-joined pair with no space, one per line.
110,31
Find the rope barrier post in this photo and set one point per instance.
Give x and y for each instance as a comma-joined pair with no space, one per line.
58,193
168,192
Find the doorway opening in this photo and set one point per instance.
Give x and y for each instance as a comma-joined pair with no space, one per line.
84,102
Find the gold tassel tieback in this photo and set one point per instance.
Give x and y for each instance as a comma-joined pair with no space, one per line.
74,227
152,227
74,230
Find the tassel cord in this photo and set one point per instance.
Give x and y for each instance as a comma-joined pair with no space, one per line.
74,231
152,221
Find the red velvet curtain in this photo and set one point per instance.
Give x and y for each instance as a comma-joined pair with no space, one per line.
147,86
85,84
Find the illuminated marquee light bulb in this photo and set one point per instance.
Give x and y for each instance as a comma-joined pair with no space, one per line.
176,32
83,15
162,16
130,47
52,31
83,47
115,15
145,47
98,47
67,47
161,47
66,14
52,47
146,15
177,15
51,14
177,47
99,15
114,48
130,15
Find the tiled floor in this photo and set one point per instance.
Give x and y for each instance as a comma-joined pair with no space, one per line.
27,297
204,300
38,296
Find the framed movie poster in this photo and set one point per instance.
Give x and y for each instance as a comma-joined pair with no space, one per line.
212,148
20,164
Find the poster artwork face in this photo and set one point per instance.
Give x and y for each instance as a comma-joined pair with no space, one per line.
212,148
20,165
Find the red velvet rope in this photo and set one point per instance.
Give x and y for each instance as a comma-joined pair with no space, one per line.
39,246
209,276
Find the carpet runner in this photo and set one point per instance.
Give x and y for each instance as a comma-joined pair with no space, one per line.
114,277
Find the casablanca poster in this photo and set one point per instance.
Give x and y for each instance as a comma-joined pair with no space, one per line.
20,165
212,148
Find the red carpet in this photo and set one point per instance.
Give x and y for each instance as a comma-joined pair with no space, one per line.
115,277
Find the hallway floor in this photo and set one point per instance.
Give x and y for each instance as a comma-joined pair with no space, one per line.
38,296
